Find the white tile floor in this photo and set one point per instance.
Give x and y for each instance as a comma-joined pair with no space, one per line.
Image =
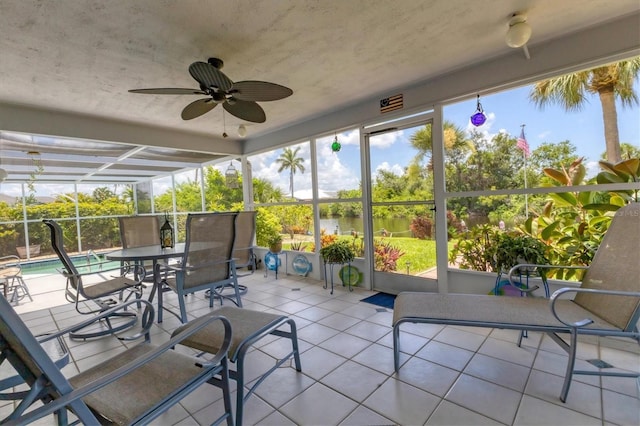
450,375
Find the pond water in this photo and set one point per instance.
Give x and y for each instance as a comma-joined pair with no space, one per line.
394,226
398,227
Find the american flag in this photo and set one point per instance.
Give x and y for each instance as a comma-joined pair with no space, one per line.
522,144
391,103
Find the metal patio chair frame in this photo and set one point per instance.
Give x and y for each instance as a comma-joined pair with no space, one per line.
105,294
207,263
11,277
140,231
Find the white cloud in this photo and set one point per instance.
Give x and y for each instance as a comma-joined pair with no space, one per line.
544,134
385,140
396,169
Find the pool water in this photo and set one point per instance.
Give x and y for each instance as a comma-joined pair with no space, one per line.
51,266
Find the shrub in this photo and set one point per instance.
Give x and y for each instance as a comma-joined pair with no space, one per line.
422,227
386,256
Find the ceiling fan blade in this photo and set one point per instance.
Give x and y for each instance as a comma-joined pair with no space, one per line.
259,91
169,91
208,75
197,108
245,110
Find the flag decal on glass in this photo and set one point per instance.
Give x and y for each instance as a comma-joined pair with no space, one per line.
522,144
391,103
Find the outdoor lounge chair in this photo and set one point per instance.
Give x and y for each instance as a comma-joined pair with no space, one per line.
133,387
249,327
606,304
98,287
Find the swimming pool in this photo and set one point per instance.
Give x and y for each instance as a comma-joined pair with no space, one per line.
51,266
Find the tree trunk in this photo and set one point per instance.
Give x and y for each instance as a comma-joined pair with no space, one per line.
610,119
291,183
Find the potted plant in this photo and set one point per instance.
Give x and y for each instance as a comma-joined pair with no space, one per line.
275,243
514,249
338,252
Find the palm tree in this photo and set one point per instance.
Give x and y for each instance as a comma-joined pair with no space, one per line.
609,82
289,160
455,143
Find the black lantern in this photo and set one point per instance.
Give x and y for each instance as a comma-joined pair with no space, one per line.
166,233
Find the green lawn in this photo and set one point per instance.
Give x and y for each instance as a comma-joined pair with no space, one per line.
420,255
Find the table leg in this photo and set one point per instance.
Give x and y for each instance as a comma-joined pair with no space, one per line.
156,287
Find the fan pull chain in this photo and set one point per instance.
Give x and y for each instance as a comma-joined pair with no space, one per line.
224,126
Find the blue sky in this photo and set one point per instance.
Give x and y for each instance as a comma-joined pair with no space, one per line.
505,112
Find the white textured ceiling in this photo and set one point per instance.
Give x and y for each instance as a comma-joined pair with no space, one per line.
83,56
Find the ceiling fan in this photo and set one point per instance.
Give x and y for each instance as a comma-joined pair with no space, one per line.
239,98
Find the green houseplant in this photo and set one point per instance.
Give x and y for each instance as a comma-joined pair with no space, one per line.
337,252
511,249
275,243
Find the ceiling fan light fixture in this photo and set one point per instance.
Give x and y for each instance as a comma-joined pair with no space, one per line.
519,31
242,130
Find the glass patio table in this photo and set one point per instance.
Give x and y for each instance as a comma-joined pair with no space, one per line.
154,254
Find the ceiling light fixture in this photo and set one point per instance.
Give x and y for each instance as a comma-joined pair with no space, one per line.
242,130
519,32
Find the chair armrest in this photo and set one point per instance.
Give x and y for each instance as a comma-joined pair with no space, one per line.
11,261
585,322
97,384
184,268
124,269
147,320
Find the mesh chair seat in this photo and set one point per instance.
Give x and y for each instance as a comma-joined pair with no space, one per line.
248,327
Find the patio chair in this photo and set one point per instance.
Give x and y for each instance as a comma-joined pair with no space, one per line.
140,231
243,252
14,287
606,304
207,263
95,286
249,327
133,387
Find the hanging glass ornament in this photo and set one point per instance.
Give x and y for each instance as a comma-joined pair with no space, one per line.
335,146
478,118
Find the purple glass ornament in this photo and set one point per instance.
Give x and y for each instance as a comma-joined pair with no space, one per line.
478,118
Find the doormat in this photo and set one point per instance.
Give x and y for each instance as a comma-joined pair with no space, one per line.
381,299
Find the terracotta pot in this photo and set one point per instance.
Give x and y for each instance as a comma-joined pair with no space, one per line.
275,248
